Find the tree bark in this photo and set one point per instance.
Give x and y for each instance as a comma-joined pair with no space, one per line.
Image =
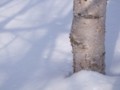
88,35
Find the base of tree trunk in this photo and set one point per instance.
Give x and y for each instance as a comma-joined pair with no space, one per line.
88,35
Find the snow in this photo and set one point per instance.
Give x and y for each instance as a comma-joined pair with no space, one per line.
86,80
113,38
35,51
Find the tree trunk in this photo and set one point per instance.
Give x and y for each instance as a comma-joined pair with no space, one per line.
88,35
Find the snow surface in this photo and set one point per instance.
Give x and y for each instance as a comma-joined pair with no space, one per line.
86,80
35,52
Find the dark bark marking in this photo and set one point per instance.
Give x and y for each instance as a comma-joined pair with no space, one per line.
74,41
87,16
80,1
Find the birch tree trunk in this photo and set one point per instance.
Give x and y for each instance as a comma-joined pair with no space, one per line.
88,35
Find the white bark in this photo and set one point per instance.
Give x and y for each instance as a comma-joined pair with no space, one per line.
88,35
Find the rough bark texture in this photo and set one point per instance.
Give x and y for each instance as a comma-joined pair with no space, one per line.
88,34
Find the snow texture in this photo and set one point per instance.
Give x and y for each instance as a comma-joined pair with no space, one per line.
35,51
86,80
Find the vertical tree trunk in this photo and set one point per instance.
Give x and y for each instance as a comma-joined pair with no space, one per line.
88,34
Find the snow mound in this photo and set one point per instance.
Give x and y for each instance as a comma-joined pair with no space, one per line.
86,80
